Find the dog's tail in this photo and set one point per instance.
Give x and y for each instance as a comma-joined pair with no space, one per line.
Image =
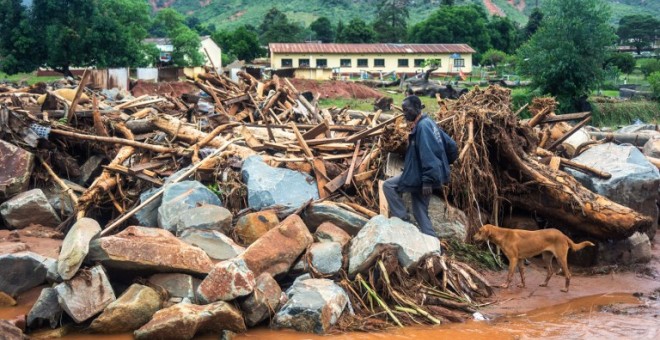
579,246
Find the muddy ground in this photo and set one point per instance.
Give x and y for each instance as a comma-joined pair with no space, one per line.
623,303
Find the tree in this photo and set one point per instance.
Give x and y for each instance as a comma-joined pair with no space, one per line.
391,25
186,44
166,21
18,38
242,43
323,30
639,30
503,34
565,56
623,61
493,57
357,31
340,29
447,2
454,24
654,81
534,22
276,28
649,66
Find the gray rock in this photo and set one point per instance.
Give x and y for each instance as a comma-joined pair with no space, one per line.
46,311
9,331
637,128
15,169
214,243
27,208
318,213
328,232
326,257
314,306
91,165
652,148
76,246
60,200
177,285
635,249
635,182
448,221
86,295
21,271
268,186
228,280
130,311
180,197
381,232
206,217
265,299
148,216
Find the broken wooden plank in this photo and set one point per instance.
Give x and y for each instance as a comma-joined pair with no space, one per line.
382,200
76,97
349,176
569,133
367,132
565,117
317,130
301,141
320,174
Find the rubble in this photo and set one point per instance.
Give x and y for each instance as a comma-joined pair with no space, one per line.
318,213
216,245
6,300
251,226
205,218
30,207
130,311
46,310
180,198
10,331
264,300
15,171
86,294
328,232
21,271
75,246
176,285
326,258
228,280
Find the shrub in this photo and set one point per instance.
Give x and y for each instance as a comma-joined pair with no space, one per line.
654,81
649,66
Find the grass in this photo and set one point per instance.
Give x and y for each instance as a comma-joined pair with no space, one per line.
625,112
431,105
29,78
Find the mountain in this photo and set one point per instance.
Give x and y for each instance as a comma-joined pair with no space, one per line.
234,13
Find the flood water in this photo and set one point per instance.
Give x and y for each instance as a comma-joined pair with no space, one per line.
602,316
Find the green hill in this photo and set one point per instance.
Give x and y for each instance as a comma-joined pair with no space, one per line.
233,13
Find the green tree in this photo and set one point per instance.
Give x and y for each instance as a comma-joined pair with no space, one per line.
565,56
493,57
340,29
654,81
639,30
242,43
186,44
323,30
454,24
623,61
503,34
391,23
447,2
166,21
534,22
276,27
649,66
17,52
357,31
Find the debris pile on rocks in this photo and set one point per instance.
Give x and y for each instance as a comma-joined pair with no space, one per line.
246,204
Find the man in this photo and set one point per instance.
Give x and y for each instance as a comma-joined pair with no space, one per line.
429,154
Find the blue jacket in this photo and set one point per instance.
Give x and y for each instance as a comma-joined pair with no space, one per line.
430,152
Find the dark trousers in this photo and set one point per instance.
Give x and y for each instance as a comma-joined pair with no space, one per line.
420,205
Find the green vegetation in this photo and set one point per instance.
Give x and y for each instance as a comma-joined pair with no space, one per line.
28,78
623,61
638,30
654,81
473,255
620,113
648,66
241,44
391,22
431,104
356,31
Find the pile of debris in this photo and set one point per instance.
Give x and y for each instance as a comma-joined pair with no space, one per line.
247,203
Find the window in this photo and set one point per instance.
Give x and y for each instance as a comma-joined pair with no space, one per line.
344,62
287,62
321,62
379,62
363,62
303,62
403,63
459,62
419,62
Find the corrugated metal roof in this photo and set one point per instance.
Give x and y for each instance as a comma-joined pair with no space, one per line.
368,48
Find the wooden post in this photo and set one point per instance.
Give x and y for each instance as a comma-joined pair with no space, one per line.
76,97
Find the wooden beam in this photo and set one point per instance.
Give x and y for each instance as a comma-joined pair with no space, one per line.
321,177
349,176
565,117
301,141
76,97
317,130
568,134
382,201
365,133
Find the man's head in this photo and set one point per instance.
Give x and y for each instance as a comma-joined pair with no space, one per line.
412,107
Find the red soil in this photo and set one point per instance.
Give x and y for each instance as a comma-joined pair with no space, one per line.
493,9
335,89
175,89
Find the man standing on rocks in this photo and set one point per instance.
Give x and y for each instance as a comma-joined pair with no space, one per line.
429,154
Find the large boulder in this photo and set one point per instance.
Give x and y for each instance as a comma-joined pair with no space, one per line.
182,321
268,186
86,295
275,251
130,311
22,271
148,215
652,148
15,169
177,285
228,280
635,182
30,207
380,233
314,306
318,213
150,249
75,246
46,310
447,220
9,331
214,243
328,232
205,218
264,300
326,257
179,198
634,249
250,227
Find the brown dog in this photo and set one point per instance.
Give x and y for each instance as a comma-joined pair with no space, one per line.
518,245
